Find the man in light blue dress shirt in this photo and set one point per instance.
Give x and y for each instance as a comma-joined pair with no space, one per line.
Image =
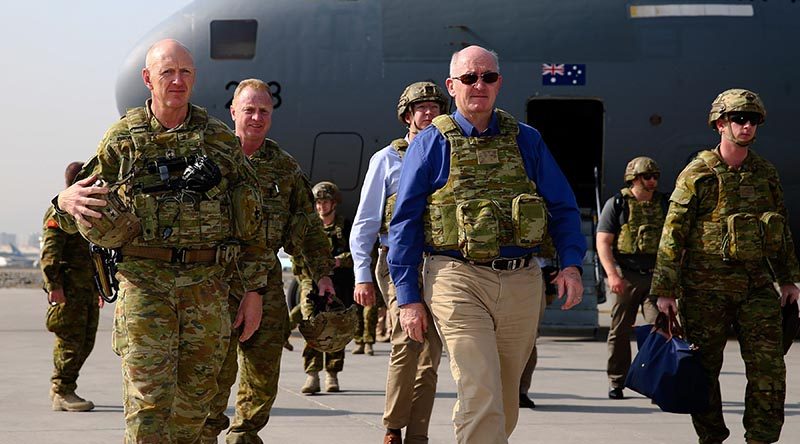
411,379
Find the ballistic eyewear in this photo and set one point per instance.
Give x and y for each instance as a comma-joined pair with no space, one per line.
743,117
649,176
470,77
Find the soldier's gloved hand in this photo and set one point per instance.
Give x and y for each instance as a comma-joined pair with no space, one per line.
202,175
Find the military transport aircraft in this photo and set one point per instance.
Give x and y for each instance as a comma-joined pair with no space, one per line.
604,81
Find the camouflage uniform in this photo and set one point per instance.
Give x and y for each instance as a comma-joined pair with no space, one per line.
171,327
292,224
66,263
343,282
718,290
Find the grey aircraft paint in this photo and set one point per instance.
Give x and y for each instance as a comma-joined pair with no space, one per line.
604,81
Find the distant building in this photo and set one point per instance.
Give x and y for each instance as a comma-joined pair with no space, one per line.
34,239
8,238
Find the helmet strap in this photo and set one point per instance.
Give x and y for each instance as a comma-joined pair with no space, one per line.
729,135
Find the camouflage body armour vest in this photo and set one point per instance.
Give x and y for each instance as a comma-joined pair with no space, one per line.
275,186
743,225
641,233
399,145
174,217
488,201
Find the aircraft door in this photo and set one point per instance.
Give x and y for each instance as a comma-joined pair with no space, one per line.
573,128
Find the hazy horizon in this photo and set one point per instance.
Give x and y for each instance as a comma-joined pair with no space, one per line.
62,64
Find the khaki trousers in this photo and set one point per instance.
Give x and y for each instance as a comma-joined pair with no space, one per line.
413,368
488,320
623,316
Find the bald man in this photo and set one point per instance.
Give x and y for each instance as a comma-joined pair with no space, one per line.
482,283
193,193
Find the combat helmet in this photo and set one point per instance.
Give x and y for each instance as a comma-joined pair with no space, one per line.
421,92
640,165
735,100
332,327
118,224
326,190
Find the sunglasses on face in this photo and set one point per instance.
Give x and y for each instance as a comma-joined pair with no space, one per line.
742,118
470,77
650,176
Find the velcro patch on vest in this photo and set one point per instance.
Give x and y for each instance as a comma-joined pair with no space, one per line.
488,156
747,191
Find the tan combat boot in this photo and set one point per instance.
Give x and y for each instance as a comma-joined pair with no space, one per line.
368,349
312,384
332,383
359,349
70,402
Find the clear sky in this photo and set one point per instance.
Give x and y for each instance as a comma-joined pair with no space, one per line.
62,59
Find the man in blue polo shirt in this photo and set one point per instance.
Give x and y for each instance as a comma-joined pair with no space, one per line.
478,192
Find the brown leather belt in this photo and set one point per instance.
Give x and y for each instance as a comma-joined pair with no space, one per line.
172,255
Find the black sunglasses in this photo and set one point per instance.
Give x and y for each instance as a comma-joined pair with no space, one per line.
470,77
648,176
741,118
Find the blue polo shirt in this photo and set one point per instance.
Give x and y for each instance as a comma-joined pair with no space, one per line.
426,169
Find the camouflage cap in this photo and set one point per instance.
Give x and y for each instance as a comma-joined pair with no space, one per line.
421,92
330,330
640,165
118,225
326,190
735,100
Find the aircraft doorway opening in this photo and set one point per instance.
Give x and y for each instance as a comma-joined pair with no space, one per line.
573,131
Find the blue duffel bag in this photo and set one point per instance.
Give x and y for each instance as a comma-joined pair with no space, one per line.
667,368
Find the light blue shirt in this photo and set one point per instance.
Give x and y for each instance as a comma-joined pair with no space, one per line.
383,175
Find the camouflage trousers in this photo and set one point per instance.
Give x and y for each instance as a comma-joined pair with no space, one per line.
259,369
623,316
313,359
756,318
170,329
367,323
75,326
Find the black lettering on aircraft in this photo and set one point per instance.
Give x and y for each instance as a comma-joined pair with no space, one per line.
274,89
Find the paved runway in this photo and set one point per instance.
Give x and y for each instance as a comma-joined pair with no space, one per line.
569,389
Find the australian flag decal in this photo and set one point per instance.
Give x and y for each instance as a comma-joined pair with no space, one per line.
563,74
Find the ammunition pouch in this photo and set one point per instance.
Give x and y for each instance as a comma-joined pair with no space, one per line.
752,237
478,229
643,239
774,228
529,218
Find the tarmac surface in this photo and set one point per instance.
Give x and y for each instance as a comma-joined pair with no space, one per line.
569,387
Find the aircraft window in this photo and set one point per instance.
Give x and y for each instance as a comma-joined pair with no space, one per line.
233,39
